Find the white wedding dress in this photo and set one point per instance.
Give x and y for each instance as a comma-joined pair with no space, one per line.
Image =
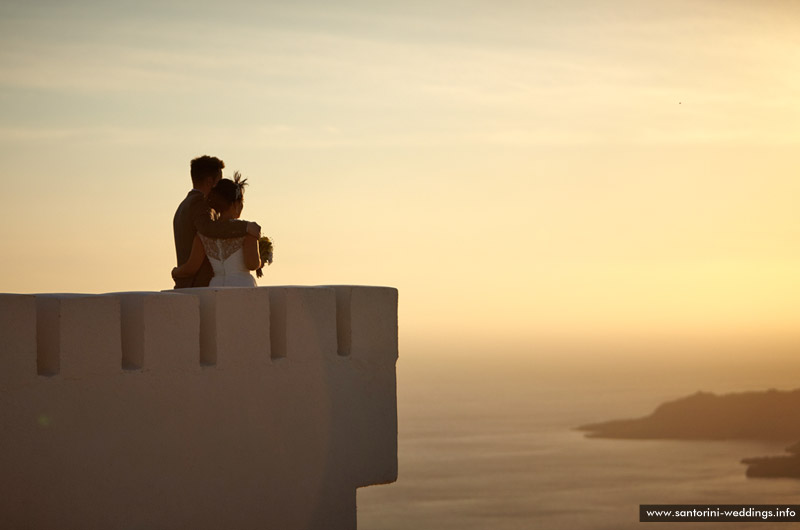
227,260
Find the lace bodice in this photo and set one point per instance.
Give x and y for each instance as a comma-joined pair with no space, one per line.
227,259
221,249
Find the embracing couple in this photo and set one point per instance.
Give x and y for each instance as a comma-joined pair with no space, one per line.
214,247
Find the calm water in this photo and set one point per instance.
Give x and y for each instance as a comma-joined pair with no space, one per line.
488,443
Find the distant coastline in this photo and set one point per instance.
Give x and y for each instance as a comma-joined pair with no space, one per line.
770,415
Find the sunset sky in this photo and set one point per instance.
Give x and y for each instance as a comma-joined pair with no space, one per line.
517,169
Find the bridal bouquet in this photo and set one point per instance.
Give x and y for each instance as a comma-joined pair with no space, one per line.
265,251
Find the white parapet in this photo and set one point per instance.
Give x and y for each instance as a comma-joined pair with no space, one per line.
200,408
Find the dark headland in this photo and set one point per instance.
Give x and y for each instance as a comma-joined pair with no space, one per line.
770,415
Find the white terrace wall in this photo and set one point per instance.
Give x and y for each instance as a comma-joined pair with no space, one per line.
219,409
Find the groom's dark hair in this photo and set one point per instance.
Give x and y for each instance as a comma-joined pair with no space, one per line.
205,166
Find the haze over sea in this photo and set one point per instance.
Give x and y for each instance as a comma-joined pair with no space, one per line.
487,440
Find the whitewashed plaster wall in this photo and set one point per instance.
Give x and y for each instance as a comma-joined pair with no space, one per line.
217,408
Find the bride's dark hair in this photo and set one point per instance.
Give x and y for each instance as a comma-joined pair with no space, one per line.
226,192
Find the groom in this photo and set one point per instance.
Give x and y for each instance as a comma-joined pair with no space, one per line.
193,215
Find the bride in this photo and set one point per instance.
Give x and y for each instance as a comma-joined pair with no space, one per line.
231,259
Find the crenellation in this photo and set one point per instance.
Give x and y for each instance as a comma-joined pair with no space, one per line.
132,329
305,322
234,326
277,322
343,324
78,335
17,339
48,333
160,331
367,323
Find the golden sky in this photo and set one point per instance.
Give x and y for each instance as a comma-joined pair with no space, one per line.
516,169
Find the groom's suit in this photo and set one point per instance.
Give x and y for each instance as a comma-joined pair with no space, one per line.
192,216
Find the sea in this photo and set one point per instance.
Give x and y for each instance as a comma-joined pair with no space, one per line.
489,441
